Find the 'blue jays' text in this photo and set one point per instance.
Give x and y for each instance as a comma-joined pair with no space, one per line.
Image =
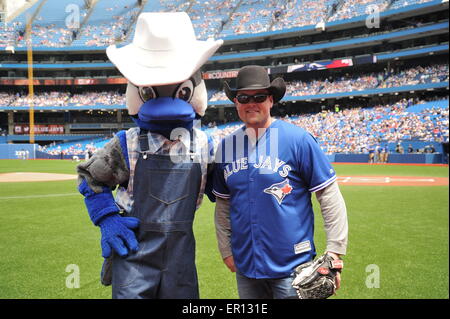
265,164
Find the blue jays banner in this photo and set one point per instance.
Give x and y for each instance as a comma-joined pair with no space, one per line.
320,65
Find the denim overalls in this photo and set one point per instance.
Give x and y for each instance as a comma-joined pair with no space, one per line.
165,194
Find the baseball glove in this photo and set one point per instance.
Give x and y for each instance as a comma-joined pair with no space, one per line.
316,279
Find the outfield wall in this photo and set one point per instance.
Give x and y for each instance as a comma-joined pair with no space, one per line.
18,151
435,158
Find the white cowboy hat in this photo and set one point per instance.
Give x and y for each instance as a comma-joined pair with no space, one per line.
164,50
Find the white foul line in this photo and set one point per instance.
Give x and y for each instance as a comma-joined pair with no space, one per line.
39,196
382,180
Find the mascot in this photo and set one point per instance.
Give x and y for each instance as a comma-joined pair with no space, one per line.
159,168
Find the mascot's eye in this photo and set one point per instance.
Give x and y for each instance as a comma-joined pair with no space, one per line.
185,91
146,93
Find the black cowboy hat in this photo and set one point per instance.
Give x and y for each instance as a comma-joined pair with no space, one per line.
255,77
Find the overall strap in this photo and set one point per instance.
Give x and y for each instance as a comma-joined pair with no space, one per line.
143,140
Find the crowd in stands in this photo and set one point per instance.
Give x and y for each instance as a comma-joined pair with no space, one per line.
418,75
9,33
56,98
212,18
299,13
346,83
80,149
354,130
357,130
106,33
83,149
95,98
218,96
300,88
351,8
251,16
403,3
50,36
208,22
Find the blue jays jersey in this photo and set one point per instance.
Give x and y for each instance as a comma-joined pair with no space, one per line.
269,185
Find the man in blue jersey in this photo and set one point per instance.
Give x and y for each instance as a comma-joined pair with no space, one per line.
264,175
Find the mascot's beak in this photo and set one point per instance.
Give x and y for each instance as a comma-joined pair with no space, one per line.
166,109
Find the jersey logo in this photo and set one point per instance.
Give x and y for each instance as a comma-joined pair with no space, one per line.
279,190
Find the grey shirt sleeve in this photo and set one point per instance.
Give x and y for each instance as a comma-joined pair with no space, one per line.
334,213
223,227
106,168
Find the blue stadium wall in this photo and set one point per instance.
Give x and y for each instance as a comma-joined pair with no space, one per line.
13,151
393,158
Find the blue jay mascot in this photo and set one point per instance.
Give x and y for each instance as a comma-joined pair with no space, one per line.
159,167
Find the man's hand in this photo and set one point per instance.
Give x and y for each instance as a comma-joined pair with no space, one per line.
229,262
337,279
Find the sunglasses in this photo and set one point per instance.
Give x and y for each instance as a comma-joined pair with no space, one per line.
257,98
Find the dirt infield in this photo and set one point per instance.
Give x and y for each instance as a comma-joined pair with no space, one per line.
393,180
34,177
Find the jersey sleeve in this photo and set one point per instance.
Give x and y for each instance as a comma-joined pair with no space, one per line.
220,188
314,166
210,171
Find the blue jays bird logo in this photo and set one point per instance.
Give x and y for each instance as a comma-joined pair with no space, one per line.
279,190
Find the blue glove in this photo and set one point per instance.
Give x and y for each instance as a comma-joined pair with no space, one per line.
117,234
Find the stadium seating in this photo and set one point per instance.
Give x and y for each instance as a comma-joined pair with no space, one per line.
250,17
299,13
52,25
352,8
409,76
417,108
353,130
209,16
403,3
75,147
109,22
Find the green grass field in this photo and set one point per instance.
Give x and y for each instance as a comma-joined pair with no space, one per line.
399,232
